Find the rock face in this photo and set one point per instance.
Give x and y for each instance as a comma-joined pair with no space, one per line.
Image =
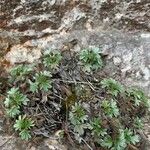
127,55
21,20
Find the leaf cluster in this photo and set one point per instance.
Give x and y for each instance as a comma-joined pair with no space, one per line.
23,124
42,81
14,101
91,59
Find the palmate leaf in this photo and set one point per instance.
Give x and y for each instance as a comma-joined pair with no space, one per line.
112,86
20,71
42,82
138,123
78,117
13,111
52,59
96,127
33,86
15,98
23,123
78,112
106,142
110,108
130,137
80,128
90,59
25,135
138,97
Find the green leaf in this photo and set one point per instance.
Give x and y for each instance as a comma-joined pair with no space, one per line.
113,87
15,98
106,142
13,111
23,123
20,71
25,135
33,86
138,123
138,97
78,118
43,81
110,108
96,127
90,59
130,137
52,59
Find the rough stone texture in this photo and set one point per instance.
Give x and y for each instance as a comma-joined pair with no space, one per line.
29,19
128,55
12,143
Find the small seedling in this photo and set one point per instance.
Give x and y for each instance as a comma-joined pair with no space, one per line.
138,97
78,117
138,123
106,142
52,59
121,141
19,72
96,127
91,59
42,81
113,87
110,108
23,125
130,137
14,100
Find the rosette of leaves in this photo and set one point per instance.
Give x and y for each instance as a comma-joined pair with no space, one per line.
52,59
78,118
97,129
113,87
23,124
121,141
138,97
91,59
110,108
19,72
13,102
41,81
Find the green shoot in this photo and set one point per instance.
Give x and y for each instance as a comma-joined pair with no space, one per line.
14,100
23,125
91,59
42,81
113,87
110,108
52,59
78,117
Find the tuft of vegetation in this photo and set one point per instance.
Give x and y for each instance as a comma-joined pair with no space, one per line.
124,137
138,97
91,59
78,117
113,87
42,81
20,71
96,112
110,108
52,59
23,125
14,101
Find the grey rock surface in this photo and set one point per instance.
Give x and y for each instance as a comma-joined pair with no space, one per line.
21,20
127,55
